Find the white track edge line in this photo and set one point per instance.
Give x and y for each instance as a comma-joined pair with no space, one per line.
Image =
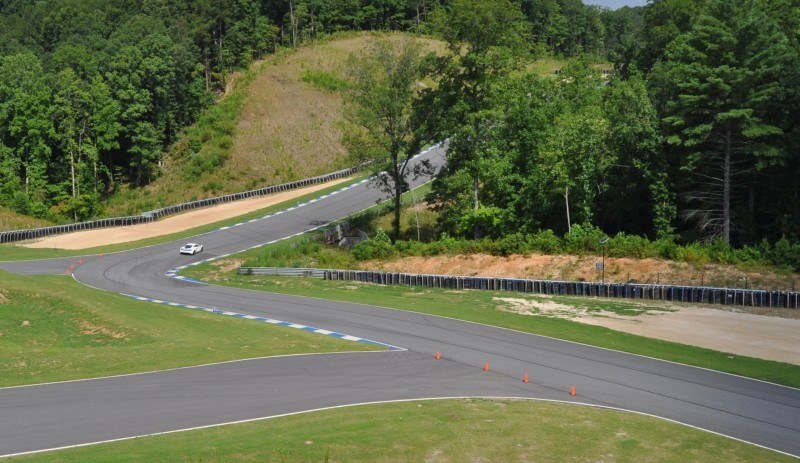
380,402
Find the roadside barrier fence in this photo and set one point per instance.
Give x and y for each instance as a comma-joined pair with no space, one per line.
152,216
691,294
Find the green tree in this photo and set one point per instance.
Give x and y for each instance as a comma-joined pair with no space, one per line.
385,78
664,20
26,129
486,41
640,198
726,72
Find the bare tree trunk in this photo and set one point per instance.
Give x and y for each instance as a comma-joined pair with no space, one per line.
72,171
397,200
475,183
566,204
476,232
293,24
726,188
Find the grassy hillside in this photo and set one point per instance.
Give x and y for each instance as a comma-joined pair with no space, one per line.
10,220
280,121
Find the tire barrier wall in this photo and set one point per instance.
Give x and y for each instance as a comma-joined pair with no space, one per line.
691,294
152,216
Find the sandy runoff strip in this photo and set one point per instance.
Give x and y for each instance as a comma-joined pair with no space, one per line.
765,337
173,224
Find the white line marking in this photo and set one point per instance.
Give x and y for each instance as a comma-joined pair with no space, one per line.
382,402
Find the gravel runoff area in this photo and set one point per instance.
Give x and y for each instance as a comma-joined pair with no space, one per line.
771,335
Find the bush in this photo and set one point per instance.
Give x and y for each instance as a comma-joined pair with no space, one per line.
785,254
545,241
623,245
379,247
20,203
410,248
515,243
693,252
582,239
666,248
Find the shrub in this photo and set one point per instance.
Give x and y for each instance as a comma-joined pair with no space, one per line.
719,251
20,203
515,243
583,238
545,241
379,247
747,255
693,252
666,248
623,245
786,254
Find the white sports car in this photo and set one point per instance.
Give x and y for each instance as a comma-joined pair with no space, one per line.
191,248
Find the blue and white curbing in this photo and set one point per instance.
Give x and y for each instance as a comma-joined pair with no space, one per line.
271,321
174,273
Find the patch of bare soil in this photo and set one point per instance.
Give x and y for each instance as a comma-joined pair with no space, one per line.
771,338
91,328
101,237
772,334
582,268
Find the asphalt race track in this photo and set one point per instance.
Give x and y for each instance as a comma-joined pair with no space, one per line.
35,418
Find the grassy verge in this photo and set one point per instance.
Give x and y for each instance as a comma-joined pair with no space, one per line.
53,329
13,252
10,220
484,307
449,430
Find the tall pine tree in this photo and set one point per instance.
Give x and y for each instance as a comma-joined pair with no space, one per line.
725,73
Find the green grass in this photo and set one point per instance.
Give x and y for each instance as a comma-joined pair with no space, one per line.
12,252
325,81
547,66
448,430
482,307
10,220
53,329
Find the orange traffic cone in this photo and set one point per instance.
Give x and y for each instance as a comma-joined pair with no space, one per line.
572,391
486,366
525,378
80,261
438,355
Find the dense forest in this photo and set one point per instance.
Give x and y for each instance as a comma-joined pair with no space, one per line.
694,135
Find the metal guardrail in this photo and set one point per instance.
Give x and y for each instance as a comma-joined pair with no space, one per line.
281,271
692,294
152,216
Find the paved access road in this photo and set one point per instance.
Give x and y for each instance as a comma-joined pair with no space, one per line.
63,414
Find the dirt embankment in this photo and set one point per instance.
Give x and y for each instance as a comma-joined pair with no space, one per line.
582,268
